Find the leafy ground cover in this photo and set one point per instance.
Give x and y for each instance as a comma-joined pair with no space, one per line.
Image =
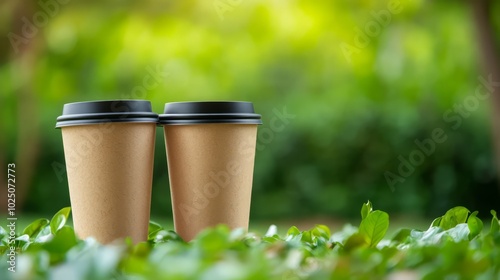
455,246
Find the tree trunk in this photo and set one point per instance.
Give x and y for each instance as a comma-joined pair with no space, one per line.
27,125
490,63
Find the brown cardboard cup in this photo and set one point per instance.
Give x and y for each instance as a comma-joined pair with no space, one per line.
210,151
108,147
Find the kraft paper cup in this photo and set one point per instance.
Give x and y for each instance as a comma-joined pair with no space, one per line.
210,154
108,148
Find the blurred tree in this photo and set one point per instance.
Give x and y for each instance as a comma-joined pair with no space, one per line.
24,49
483,11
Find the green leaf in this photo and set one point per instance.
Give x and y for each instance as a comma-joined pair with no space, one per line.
459,233
354,241
237,234
270,239
35,227
321,231
153,230
436,222
59,219
23,238
495,224
44,235
23,241
141,249
212,241
272,230
366,209
429,237
167,235
401,235
374,227
3,249
3,234
293,231
475,225
454,216
307,237
63,241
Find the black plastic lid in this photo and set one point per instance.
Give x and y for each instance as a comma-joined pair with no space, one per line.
92,112
210,112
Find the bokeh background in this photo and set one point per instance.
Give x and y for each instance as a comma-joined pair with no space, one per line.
352,85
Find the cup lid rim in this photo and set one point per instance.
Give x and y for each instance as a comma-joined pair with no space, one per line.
99,111
193,112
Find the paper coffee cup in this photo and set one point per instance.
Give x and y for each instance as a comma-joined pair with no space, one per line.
210,154
108,148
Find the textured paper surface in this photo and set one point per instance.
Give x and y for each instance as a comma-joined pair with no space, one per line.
211,171
110,168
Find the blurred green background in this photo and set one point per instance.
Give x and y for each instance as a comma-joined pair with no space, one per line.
362,81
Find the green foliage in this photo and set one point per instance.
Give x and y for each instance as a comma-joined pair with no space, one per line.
475,225
352,120
453,217
366,209
495,224
59,219
35,227
374,224
462,251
